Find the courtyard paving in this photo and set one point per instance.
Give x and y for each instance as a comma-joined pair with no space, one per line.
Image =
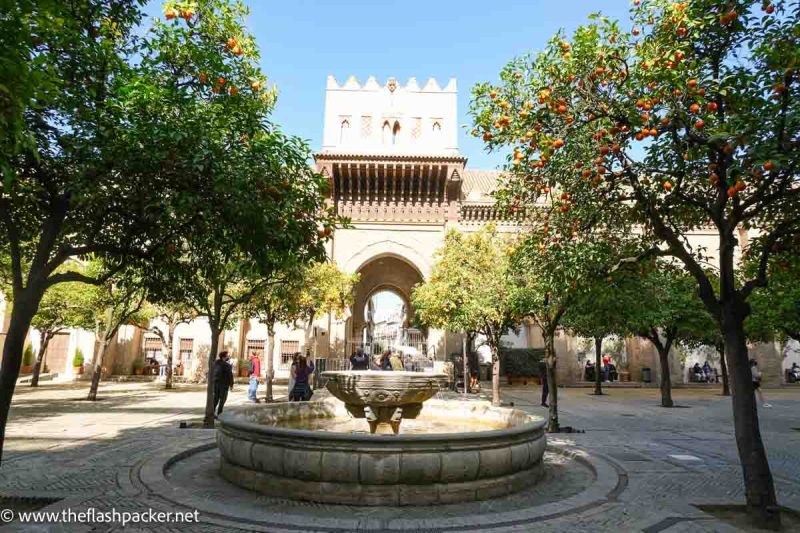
65,453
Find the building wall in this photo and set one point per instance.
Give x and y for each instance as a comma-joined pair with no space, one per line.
426,115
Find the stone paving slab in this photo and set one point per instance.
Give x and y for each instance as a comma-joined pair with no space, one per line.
91,455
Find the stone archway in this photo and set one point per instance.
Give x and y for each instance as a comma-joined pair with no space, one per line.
383,272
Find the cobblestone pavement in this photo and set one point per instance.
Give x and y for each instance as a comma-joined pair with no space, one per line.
65,453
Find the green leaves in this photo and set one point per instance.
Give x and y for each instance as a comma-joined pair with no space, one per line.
469,288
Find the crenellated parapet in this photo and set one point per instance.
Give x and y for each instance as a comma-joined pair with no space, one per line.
389,117
391,85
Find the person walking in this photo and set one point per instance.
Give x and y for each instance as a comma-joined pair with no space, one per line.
223,381
756,373
545,386
254,371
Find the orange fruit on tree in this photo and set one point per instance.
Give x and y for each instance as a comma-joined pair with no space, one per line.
712,106
221,81
203,77
692,83
233,90
699,124
256,85
694,108
714,178
769,165
667,186
170,14
231,42
236,50
731,192
487,136
558,143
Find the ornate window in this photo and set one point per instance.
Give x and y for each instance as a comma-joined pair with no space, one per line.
386,132
344,131
417,131
437,126
366,127
395,132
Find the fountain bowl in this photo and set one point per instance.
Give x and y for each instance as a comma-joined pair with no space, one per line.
280,450
383,396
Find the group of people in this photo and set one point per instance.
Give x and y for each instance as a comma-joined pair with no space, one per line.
608,371
704,374
300,371
156,368
388,360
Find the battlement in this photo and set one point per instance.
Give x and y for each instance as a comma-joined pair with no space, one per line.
390,118
372,84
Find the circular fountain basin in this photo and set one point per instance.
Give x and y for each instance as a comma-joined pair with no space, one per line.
454,451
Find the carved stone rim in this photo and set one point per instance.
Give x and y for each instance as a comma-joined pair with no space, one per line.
230,420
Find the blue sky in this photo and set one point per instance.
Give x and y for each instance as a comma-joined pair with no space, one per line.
302,41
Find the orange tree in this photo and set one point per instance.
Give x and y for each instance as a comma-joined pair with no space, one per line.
692,116
776,308
471,289
262,211
551,274
662,307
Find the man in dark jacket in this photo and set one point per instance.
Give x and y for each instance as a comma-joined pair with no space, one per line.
359,360
223,381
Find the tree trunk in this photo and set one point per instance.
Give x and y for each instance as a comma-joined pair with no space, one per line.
168,345
26,303
726,388
666,379
37,366
762,503
598,360
495,375
466,365
208,418
550,361
98,369
270,362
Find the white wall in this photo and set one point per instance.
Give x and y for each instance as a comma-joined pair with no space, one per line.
367,107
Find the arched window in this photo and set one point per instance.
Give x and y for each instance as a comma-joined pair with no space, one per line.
387,132
437,127
344,131
395,132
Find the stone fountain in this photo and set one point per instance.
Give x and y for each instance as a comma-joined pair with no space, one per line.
384,397
320,451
